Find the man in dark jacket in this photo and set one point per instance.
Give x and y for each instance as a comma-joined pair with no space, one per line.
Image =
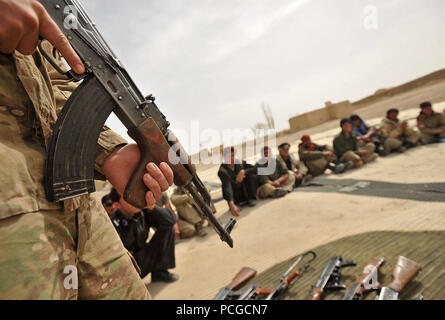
156,256
239,181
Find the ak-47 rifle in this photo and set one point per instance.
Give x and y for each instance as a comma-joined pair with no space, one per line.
366,282
288,278
254,292
404,271
329,278
229,292
107,87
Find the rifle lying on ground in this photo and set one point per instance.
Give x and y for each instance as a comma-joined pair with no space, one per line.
288,278
228,292
366,282
329,278
106,88
403,272
254,292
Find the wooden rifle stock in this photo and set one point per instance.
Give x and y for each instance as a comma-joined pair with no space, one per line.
244,275
403,272
367,275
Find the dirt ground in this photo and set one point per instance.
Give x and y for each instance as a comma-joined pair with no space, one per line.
403,192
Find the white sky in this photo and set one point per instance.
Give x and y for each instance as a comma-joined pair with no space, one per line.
218,61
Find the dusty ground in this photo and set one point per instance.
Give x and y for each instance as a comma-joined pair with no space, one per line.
276,230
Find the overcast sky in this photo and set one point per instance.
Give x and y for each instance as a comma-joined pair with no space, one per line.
217,61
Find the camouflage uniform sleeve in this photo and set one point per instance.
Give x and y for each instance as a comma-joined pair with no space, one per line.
108,139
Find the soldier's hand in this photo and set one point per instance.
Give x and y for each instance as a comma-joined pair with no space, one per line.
21,23
120,165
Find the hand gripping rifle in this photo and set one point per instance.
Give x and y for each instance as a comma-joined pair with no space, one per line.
106,88
366,282
329,278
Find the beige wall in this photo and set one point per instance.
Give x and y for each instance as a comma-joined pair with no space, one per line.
319,116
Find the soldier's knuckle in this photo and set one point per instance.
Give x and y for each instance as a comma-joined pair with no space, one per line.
31,21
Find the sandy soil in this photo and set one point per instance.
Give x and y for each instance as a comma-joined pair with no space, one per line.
276,230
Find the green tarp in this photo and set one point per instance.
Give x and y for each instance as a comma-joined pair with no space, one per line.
426,248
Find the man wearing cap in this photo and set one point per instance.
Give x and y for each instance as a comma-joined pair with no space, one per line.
275,181
318,158
397,135
430,123
295,167
239,181
367,134
346,146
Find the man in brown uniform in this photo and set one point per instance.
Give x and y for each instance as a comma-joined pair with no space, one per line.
190,220
397,134
431,124
318,158
50,250
273,184
298,169
347,149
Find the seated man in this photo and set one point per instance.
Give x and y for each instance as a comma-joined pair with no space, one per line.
156,256
108,204
278,181
318,158
346,146
164,202
298,169
431,124
190,221
397,135
366,134
239,181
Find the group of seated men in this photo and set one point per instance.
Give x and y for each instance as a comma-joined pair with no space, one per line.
355,145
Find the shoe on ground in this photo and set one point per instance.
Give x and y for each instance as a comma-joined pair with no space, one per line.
409,145
401,149
382,152
306,178
251,203
339,168
163,276
200,229
348,165
280,193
